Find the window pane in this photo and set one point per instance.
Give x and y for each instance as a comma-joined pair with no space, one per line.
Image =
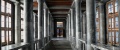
117,39
3,39
2,33
9,38
8,8
9,33
116,23
116,6
3,6
3,24
7,22
2,18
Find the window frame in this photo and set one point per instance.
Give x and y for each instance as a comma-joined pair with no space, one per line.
112,29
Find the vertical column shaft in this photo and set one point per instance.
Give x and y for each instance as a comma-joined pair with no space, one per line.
72,31
17,23
102,22
29,26
40,12
77,9
90,11
0,25
84,25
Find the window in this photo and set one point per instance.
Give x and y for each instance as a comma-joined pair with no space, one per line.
6,29
97,25
112,20
59,24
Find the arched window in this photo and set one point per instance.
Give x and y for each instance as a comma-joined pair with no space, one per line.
112,22
6,23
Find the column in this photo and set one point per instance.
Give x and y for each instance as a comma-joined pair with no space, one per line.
0,25
40,22
40,12
45,26
69,27
29,26
119,20
78,15
84,25
90,14
102,22
72,23
17,22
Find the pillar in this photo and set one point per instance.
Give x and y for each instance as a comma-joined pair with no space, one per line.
40,12
119,19
84,25
0,25
102,22
90,14
69,27
17,23
78,15
29,26
72,31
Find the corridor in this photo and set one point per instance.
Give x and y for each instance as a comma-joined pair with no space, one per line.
60,25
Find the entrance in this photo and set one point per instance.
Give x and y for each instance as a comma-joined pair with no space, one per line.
59,29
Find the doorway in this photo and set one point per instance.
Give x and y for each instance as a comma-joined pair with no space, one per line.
59,29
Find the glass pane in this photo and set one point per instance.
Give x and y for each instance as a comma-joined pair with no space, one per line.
109,34
113,36
116,6
3,6
117,39
9,33
3,24
109,39
59,24
116,23
2,18
2,33
8,8
7,21
117,33
3,39
9,38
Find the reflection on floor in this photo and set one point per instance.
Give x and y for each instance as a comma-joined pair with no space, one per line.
60,44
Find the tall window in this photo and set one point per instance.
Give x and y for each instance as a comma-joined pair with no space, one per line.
6,30
112,20
97,25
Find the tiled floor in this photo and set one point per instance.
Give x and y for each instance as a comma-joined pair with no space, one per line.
60,44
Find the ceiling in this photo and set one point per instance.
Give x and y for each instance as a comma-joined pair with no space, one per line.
60,8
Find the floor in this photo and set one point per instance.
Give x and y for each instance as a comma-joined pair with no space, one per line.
60,44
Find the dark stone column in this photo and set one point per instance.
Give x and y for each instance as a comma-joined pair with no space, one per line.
40,12
17,23
78,15
119,20
29,20
90,14
102,22
72,23
84,25
0,25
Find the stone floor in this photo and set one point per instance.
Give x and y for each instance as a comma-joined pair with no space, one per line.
60,44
